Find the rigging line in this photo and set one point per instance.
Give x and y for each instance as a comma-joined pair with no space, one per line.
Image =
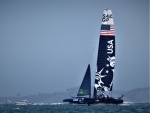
93,49
91,55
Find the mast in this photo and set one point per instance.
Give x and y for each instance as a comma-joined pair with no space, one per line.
106,55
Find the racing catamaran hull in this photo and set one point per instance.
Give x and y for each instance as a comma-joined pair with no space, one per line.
83,100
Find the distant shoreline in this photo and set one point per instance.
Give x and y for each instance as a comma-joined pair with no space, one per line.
137,95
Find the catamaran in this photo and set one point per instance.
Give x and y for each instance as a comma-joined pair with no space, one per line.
105,69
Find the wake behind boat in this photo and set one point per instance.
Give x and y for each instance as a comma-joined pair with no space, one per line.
105,68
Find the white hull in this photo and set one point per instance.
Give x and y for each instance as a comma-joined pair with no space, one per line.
23,102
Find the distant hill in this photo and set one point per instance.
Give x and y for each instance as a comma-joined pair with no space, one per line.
138,95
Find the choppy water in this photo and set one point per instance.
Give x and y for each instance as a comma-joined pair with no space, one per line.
70,108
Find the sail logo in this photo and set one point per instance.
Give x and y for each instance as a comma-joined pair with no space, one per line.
99,84
110,47
81,91
111,60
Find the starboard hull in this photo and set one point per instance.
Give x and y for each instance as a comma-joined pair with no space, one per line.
94,101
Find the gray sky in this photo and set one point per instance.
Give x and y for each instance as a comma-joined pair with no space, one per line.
45,45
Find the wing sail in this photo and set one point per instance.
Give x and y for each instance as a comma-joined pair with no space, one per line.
106,54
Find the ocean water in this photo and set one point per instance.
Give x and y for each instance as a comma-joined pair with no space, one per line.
73,108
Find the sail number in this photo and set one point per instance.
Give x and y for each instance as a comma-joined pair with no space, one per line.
106,17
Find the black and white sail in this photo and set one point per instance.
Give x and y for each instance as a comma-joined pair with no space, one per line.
106,54
85,88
